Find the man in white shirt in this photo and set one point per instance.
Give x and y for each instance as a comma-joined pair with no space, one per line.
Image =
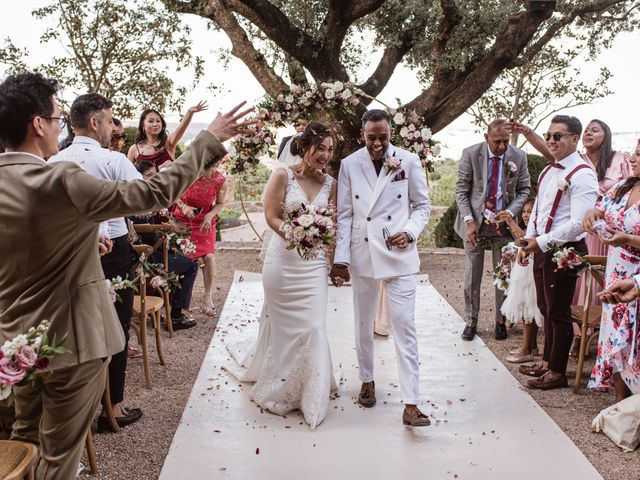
91,119
567,189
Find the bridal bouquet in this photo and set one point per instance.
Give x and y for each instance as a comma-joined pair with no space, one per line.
310,230
25,355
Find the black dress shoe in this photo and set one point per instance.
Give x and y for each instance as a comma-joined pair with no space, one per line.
130,416
182,322
468,333
501,331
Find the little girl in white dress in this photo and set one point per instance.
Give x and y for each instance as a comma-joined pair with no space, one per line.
521,302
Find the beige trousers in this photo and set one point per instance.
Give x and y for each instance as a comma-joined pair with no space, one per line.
55,413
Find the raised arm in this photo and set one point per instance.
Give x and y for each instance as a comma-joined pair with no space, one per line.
532,137
174,137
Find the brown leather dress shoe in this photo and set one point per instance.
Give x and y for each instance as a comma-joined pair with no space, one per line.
545,382
535,370
367,397
415,419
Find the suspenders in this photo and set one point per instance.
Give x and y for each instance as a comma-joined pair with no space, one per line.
558,197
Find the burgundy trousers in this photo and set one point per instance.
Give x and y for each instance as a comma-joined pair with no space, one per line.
554,290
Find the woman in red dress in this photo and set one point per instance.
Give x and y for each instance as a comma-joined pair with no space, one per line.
153,143
198,208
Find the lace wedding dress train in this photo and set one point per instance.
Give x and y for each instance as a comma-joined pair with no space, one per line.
290,362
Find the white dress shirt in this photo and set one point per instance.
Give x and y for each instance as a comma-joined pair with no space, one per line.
102,163
580,196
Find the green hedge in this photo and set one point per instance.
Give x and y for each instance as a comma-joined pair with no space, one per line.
445,235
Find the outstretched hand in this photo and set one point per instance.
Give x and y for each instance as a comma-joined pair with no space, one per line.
624,291
228,125
202,105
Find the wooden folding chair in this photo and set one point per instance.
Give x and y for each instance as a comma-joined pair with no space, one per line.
141,228
586,315
143,306
17,460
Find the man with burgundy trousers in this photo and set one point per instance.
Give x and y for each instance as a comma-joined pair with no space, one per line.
492,177
567,189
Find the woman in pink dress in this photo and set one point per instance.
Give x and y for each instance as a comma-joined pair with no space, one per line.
198,209
153,143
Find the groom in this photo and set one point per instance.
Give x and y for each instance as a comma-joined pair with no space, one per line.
377,236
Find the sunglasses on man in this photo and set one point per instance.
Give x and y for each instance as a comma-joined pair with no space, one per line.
556,136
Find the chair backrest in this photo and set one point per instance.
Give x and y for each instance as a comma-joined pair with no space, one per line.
596,273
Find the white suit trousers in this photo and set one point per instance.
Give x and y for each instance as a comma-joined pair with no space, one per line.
401,304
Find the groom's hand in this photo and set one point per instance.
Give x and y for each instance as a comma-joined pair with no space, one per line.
339,274
400,240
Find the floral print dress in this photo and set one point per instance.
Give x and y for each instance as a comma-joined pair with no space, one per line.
619,333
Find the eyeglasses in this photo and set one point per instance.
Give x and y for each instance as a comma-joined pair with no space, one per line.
122,136
61,120
385,236
556,136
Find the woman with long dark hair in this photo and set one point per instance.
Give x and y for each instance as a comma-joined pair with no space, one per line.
153,143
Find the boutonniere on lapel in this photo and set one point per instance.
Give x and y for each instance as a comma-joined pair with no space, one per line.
391,164
513,168
563,184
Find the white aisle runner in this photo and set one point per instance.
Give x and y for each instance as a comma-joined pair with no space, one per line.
484,426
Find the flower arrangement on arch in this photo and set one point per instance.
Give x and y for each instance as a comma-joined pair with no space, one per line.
310,230
245,151
410,131
25,355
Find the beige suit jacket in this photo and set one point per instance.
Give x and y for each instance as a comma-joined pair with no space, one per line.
50,267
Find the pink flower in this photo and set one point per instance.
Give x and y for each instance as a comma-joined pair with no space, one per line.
26,357
10,372
42,363
158,282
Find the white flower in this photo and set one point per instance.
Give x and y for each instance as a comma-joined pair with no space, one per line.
346,94
232,150
305,220
20,341
418,147
398,118
329,94
326,85
512,166
404,131
338,86
293,88
9,348
436,149
289,99
562,184
298,233
37,343
426,133
416,134
313,232
280,97
276,116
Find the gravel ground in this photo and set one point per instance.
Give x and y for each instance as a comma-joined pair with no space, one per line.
138,451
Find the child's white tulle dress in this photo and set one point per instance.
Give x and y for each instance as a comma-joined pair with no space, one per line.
521,303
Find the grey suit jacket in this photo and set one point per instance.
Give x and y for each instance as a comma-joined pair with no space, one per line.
472,183
50,268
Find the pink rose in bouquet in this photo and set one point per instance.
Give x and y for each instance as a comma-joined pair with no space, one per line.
10,372
568,258
26,357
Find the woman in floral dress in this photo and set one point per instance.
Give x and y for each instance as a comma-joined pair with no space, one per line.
618,362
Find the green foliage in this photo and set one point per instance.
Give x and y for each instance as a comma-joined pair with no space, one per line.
128,50
131,138
252,183
541,86
536,164
227,213
445,235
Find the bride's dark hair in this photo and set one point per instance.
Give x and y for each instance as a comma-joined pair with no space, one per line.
313,135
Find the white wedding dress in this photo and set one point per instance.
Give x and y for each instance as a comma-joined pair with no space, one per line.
290,362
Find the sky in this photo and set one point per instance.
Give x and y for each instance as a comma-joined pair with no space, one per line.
620,110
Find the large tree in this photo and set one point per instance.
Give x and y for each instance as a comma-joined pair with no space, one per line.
128,50
548,83
457,48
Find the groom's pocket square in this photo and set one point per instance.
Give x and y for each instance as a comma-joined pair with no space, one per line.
399,176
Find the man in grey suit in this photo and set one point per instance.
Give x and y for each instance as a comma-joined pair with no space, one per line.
492,177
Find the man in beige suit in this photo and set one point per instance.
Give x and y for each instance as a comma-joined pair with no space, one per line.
49,217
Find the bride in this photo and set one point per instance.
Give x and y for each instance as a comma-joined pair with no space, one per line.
290,362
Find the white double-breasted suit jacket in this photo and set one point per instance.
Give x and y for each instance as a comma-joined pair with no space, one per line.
396,200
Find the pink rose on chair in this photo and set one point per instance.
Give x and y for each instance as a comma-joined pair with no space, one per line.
10,372
26,357
158,282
